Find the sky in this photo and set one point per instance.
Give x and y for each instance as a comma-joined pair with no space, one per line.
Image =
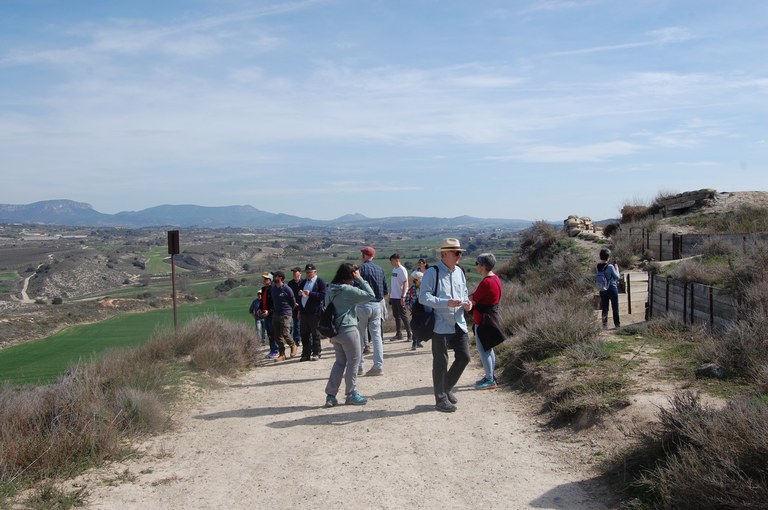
519,109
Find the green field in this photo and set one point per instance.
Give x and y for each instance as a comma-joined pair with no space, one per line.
42,361
8,281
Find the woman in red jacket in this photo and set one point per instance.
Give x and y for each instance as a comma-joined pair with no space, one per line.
485,298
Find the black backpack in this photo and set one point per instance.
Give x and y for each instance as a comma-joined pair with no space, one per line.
422,321
327,325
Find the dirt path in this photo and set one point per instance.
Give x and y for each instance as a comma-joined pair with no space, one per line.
267,442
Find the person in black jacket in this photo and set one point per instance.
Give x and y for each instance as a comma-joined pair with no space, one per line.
294,284
311,298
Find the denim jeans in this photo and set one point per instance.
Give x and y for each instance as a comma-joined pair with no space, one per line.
273,347
488,358
369,320
611,295
296,330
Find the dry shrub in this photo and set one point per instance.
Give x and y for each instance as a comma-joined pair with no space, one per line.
699,458
49,495
717,248
610,229
560,321
50,430
631,213
518,308
747,219
535,249
582,404
696,271
586,353
569,272
626,250
224,347
673,329
746,271
741,349
140,411
60,428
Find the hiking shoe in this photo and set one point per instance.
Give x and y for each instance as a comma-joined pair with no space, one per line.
374,371
486,384
397,337
330,401
293,350
413,347
445,406
314,357
452,397
271,355
419,345
280,357
367,350
355,399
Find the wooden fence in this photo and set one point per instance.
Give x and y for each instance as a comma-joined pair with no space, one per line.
677,246
692,303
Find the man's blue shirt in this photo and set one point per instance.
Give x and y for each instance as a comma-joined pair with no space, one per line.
452,285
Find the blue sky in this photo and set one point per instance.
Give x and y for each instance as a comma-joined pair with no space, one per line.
532,109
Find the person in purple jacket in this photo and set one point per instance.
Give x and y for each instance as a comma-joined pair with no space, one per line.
283,302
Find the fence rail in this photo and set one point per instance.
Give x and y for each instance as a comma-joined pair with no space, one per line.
692,303
676,246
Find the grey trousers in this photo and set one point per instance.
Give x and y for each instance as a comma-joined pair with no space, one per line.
348,354
443,377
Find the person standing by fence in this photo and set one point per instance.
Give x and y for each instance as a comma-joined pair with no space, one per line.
611,292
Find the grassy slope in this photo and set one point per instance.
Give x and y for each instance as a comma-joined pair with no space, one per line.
44,360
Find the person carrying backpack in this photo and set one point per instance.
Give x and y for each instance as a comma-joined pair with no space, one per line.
347,289
606,278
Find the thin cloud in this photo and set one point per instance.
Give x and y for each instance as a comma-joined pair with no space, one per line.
558,5
589,153
668,35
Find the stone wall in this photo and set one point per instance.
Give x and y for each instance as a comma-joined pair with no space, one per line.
684,202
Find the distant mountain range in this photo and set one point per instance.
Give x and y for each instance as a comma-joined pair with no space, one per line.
71,213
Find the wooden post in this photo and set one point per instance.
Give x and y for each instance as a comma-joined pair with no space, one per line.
711,309
661,248
666,300
685,303
629,295
692,299
651,285
173,250
173,292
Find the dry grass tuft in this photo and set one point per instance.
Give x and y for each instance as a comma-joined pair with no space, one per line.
698,458
82,419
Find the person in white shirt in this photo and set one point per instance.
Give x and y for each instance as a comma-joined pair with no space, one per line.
399,289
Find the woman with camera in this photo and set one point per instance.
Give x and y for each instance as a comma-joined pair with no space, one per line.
346,290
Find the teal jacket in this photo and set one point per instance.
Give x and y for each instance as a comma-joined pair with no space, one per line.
344,298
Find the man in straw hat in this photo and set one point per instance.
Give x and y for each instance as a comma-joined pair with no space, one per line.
449,301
